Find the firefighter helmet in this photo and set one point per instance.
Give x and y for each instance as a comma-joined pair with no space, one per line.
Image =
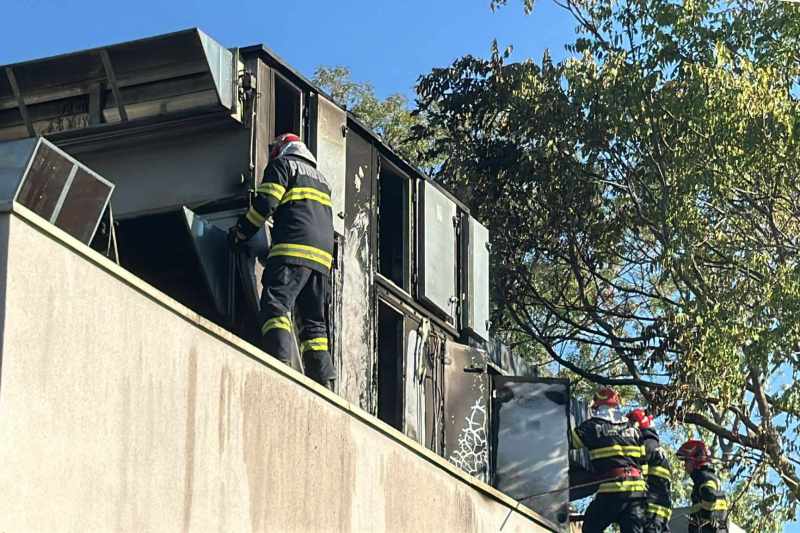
606,396
640,418
280,142
695,453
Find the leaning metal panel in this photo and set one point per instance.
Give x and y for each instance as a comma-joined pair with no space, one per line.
437,282
331,154
36,174
530,446
466,411
211,245
476,310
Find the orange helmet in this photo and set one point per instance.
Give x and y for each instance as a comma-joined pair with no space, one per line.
280,142
694,452
640,418
606,396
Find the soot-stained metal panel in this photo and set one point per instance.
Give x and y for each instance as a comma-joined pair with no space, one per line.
45,180
83,205
437,270
356,383
466,410
331,150
14,158
215,258
414,370
530,446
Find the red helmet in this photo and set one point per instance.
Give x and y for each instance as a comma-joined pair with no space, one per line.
280,142
606,396
695,452
640,418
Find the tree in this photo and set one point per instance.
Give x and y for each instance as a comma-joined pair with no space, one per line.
651,181
390,118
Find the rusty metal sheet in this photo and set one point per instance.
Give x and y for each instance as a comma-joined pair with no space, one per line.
44,181
83,205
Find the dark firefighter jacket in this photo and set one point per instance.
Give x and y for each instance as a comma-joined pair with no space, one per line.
658,475
708,501
613,449
298,197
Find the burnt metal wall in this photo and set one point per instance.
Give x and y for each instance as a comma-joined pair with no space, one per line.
355,374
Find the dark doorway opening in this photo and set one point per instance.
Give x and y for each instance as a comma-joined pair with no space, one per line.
288,108
390,365
393,241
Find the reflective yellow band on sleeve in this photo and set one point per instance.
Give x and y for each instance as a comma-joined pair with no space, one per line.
303,252
616,450
576,440
637,485
659,510
645,470
276,190
710,484
279,322
254,217
320,344
306,193
660,471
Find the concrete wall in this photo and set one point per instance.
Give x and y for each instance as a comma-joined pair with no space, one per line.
120,410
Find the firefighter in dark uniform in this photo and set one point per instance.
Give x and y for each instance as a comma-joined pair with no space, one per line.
616,453
297,269
709,511
657,473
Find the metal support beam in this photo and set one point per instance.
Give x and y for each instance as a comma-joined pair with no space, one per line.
23,110
112,81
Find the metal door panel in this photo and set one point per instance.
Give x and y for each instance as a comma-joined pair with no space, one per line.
331,152
437,269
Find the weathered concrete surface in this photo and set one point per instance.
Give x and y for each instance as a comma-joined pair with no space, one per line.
122,411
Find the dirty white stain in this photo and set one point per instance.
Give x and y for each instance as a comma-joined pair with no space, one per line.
358,177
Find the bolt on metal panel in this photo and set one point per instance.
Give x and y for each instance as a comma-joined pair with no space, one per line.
437,271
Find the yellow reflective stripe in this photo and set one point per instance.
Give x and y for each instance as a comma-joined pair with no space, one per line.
320,344
659,510
711,484
306,193
645,470
276,190
576,440
279,322
637,485
718,505
302,251
615,450
254,217
660,471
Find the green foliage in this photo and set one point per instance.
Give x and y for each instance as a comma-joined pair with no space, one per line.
390,118
651,184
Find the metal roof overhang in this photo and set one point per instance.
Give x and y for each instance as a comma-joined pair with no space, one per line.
180,73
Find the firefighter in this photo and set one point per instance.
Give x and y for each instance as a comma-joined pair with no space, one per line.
297,269
616,453
657,473
709,511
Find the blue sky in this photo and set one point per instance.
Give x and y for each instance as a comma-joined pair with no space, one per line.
386,43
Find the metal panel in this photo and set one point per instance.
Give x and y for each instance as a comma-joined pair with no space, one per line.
211,245
530,446
414,370
476,310
53,185
14,158
466,412
331,152
155,77
437,271
356,383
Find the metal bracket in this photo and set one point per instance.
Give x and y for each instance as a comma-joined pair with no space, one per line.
112,80
23,110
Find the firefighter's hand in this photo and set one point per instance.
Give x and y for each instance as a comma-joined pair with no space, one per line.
236,238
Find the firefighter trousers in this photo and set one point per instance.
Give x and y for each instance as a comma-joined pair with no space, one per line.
611,508
287,287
